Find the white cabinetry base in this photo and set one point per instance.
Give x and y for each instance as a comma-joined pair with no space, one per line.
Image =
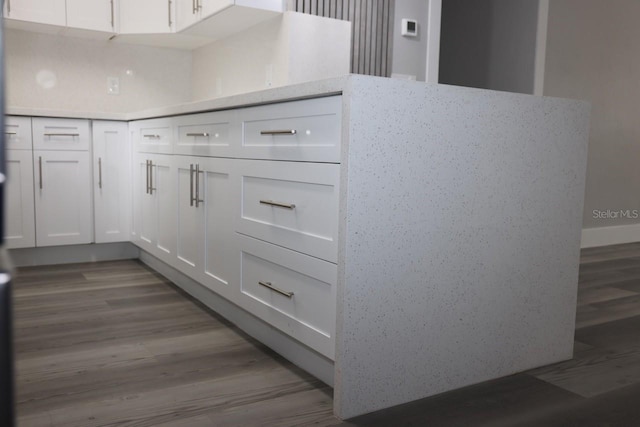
73,253
302,356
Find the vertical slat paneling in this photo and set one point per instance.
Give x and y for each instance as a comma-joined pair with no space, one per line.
374,37
368,31
385,40
372,25
363,36
379,35
390,17
355,18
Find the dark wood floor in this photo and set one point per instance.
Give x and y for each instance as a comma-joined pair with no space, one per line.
115,344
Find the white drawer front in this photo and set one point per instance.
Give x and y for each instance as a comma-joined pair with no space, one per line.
294,205
308,130
17,132
207,134
153,136
293,292
61,134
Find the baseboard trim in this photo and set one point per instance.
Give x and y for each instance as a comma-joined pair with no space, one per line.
604,236
299,354
73,253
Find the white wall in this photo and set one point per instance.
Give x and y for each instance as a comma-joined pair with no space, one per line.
489,44
592,54
66,73
70,74
292,48
417,56
410,53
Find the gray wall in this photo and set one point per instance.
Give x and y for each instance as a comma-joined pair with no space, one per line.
410,53
489,44
592,54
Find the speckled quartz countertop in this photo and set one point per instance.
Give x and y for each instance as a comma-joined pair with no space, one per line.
298,91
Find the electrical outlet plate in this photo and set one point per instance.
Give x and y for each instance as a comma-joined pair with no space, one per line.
113,86
268,75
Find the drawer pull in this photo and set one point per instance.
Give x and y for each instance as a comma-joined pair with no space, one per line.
40,170
279,132
273,288
11,133
277,204
100,172
152,136
61,134
191,170
198,134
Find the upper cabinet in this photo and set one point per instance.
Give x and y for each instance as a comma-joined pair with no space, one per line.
51,12
147,16
191,11
98,15
94,15
219,18
151,22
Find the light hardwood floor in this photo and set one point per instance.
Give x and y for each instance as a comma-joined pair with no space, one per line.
115,344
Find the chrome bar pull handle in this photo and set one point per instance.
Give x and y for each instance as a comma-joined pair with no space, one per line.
278,204
169,3
151,136
273,288
148,173
62,134
151,187
198,134
113,21
100,172
191,170
193,7
40,170
198,199
279,132
8,7
199,5
11,133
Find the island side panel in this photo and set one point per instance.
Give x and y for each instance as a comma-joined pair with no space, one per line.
462,215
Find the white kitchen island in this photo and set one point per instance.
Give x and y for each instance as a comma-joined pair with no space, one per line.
448,246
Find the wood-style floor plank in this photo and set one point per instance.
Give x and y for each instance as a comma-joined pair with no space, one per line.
114,343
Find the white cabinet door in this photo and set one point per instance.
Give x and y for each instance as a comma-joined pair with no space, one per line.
156,205
62,197
98,15
187,13
211,7
20,228
143,211
17,133
220,269
189,250
204,223
147,16
42,11
111,181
